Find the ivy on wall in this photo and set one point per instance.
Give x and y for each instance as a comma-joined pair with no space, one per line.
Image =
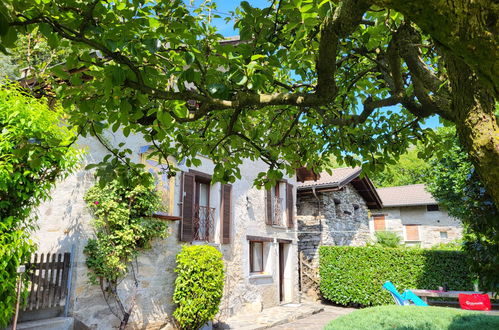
123,226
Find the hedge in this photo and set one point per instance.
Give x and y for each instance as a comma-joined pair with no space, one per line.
198,287
355,275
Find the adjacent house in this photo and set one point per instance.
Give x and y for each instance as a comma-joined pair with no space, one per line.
253,228
345,208
413,213
335,210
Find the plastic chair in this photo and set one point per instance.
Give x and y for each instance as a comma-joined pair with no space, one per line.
405,299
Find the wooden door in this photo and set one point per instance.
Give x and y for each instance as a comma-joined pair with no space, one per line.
282,264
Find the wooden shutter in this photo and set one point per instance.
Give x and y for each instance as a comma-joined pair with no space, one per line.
412,232
226,213
268,207
187,224
289,204
379,223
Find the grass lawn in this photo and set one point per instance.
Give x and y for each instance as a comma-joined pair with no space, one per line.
412,317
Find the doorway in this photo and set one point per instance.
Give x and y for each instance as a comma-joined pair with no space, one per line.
285,284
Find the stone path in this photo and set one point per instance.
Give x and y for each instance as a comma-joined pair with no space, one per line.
290,316
317,321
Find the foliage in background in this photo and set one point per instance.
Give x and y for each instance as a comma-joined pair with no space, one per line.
456,185
414,317
355,275
123,226
455,245
35,151
387,239
410,168
199,286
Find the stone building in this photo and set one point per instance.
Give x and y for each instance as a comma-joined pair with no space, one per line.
346,209
254,229
413,213
335,210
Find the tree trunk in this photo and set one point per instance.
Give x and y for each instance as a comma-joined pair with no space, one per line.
477,125
466,28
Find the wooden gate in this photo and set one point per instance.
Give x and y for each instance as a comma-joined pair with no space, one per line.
309,278
49,276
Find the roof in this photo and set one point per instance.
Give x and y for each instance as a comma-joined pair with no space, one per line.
339,178
410,195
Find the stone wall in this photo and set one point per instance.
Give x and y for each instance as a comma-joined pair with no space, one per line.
64,222
338,217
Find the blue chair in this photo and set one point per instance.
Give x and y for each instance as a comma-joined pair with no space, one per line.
405,299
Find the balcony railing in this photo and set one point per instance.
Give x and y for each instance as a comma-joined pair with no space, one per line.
204,221
277,211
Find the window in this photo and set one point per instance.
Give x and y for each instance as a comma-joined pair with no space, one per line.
379,222
256,257
443,235
279,205
197,214
412,232
432,208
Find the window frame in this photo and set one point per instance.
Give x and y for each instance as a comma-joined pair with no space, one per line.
432,208
406,237
252,257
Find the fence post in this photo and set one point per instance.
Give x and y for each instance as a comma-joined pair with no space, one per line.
70,279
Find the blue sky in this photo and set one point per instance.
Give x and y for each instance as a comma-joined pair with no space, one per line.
227,30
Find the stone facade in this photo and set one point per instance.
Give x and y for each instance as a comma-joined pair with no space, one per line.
65,223
337,217
431,224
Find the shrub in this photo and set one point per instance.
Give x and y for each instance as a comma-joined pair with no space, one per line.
355,275
413,317
199,285
35,151
387,239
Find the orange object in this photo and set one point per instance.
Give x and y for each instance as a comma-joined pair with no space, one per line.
475,301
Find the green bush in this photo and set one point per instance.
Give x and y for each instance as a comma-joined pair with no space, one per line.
35,152
199,285
387,239
412,317
355,275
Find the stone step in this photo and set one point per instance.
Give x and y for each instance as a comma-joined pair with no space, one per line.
55,323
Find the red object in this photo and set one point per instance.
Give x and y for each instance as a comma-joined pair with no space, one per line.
474,301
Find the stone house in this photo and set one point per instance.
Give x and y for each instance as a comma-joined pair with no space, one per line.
346,209
254,229
413,213
335,210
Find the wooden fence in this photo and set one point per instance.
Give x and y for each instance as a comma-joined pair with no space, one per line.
309,277
49,276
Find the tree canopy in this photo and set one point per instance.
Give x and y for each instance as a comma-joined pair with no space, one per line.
306,80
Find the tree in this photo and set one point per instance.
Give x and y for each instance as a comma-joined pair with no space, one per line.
308,79
408,169
34,152
455,184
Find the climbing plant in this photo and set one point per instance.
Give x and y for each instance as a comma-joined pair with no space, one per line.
123,226
35,151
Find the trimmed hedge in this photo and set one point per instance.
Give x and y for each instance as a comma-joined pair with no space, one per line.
355,275
199,285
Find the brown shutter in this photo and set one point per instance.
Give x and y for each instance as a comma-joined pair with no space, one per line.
268,207
289,204
412,232
379,222
187,225
226,213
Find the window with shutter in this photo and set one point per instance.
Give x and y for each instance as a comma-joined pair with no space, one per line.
412,232
289,204
268,207
379,223
226,213
187,223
